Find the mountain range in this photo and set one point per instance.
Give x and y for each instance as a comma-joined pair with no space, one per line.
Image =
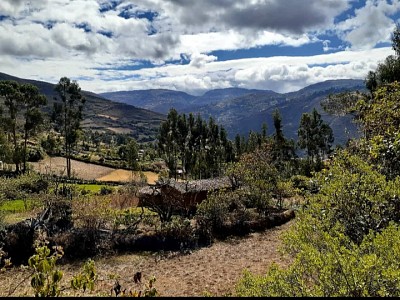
240,110
140,112
104,115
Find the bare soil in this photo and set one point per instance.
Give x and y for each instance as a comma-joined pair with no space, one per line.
213,270
87,171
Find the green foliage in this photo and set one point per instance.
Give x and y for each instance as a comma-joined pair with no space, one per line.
200,148
86,278
213,211
22,186
345,241
130,218
314,135
380,118
46,278
342,103
21,117
180,231
67,115
328,264
257,175
355,195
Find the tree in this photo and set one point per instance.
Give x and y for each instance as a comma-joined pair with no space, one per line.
32,100
22,103
283,150
132,154
12,99
67,115
389,70
201,148
314,135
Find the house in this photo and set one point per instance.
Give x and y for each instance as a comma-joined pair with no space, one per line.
182,194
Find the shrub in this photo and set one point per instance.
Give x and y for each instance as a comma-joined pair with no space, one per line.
345,241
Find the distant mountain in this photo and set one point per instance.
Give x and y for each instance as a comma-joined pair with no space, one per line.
160,101
241,110
238,110
104,115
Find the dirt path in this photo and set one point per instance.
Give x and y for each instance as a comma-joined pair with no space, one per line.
215,269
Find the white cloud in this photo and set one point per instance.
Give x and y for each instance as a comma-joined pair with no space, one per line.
198,60
370,25
82,39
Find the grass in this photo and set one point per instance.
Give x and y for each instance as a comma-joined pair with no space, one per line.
16,206
92,188
14,211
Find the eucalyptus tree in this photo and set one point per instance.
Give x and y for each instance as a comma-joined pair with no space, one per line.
22,114
9,90
315,135
201,148
68,114
32,101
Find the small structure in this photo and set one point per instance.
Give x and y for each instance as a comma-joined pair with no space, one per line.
185,195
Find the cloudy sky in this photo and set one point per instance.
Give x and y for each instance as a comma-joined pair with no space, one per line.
194,45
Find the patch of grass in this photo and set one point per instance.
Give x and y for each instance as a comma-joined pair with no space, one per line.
92,188
16,206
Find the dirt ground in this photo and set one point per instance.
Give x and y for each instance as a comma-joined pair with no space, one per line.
87,171
213,270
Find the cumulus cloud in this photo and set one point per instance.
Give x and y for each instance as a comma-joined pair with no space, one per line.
13,7
291,16
95,39
198,60
370,25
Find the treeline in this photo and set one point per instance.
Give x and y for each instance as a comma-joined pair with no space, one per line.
200,149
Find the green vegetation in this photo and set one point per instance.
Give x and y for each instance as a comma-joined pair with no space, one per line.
67,115
15,206
20,118
345,241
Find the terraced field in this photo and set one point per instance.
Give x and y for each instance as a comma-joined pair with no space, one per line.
87,171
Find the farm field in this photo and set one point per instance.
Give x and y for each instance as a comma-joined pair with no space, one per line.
87,171
213,270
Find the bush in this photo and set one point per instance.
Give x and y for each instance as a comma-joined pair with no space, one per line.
331,265
35,154
345,241
105,190
178,234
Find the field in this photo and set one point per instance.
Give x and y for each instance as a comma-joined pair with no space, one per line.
87,171
212,270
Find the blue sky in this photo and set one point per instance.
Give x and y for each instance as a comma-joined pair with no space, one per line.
192,45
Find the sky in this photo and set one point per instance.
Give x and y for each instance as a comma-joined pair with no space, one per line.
195,45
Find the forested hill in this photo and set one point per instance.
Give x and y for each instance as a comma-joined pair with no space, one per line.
106,115
241,110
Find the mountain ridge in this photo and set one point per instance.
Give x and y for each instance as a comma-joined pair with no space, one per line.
238,110
241,110
104,115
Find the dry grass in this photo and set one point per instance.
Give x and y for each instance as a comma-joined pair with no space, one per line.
215,269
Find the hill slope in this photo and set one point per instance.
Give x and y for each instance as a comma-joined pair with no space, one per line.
105,115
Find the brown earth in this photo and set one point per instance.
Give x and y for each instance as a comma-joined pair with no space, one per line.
214,270
126,176
87,171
